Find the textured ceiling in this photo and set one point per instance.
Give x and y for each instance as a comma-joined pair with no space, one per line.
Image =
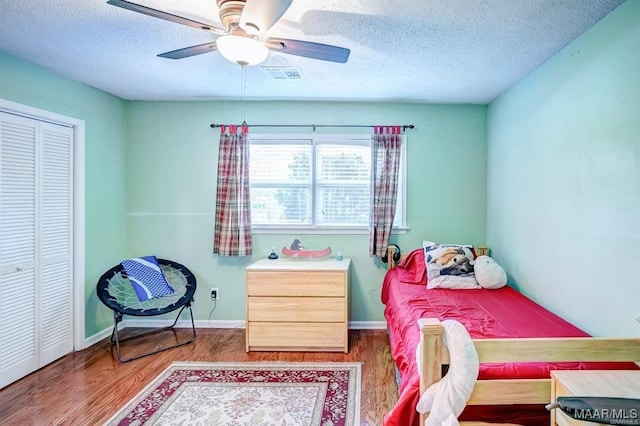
441,51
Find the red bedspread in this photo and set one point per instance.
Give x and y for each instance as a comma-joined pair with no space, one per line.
485,314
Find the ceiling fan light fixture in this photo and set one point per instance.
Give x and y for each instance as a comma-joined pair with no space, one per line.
242,50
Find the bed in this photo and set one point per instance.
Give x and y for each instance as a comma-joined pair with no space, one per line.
518,344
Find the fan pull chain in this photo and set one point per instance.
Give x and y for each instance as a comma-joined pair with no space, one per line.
243,91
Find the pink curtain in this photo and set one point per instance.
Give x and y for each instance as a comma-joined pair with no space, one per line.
386,147
232,233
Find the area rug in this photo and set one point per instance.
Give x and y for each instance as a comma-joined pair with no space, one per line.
261,394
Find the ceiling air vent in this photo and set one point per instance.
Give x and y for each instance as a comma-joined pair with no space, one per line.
284,73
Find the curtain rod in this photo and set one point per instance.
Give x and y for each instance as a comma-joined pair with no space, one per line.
314,126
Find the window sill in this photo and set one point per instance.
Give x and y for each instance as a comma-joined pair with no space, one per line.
320,231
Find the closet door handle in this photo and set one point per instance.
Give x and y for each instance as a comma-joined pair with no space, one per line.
19,268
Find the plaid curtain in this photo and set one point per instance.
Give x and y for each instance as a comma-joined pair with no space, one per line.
386,145
232,234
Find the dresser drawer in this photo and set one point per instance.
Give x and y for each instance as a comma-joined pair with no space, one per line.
302,309
297,306
296,283
295,336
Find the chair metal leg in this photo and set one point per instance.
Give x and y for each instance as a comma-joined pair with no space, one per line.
116,340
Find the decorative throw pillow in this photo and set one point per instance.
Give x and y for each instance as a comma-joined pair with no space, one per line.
146,277
450,266
489,274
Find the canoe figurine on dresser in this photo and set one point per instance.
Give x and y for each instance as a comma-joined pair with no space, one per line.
298,250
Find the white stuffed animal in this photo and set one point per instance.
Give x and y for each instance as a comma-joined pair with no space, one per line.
489,274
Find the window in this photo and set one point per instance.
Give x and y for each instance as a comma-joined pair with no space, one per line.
314,182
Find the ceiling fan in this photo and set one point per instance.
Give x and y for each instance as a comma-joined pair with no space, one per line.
239,41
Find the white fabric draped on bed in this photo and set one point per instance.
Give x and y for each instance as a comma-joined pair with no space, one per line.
445,400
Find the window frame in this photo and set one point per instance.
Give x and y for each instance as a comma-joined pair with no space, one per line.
318,139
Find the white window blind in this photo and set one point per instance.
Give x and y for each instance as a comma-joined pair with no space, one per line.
281,183
312,182
342,184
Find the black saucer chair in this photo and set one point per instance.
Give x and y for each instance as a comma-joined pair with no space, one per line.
117,293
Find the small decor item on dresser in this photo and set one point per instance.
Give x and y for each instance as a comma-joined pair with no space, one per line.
298,250
273,254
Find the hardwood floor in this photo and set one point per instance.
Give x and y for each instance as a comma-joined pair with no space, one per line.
88,387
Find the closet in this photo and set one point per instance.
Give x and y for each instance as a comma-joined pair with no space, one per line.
36,244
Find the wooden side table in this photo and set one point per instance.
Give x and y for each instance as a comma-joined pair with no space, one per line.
297,305
608,383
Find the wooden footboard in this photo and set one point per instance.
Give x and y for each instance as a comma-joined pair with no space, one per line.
435,356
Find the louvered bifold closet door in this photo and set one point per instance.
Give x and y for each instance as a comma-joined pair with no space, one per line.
18,344
55,310
36,250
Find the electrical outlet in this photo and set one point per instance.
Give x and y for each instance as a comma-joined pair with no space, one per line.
215,293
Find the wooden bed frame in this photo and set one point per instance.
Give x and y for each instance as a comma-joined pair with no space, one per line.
435,358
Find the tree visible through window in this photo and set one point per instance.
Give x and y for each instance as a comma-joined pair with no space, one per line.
318,182
295,201
342,184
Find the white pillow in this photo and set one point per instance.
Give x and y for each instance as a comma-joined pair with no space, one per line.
489,274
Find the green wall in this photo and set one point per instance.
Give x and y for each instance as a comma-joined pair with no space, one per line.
564,178
171,184
104,117
151,176
559,205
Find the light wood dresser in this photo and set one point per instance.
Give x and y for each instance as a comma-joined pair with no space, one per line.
609,383
298,305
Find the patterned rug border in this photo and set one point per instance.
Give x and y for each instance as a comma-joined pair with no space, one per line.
161,377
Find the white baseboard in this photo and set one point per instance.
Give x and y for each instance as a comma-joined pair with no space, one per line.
355,325
186,323
92,340
220,324
368,325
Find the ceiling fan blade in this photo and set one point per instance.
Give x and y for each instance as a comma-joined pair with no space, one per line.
164,15
260,15
309,49
190,51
